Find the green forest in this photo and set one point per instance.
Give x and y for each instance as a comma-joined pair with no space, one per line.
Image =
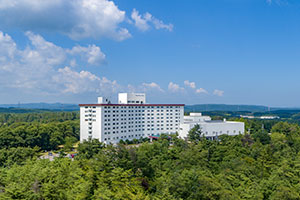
264,164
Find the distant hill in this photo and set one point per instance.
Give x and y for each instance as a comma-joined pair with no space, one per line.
233,108
43,106
188,108
22,110
224,107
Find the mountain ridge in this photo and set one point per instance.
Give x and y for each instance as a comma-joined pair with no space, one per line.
188,108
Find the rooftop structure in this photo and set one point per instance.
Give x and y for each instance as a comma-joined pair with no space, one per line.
132,98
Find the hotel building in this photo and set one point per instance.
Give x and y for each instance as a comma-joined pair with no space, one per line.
131,118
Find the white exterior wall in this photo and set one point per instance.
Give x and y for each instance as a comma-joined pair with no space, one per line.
90,122
211,129
184,130
132,98
112,123
83,126
220,128
196,119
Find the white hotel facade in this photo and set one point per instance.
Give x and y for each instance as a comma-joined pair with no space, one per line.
131,118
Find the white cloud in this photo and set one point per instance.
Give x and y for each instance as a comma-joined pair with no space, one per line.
218,92
40,66
92,53
158,24
8,49
75,82
53,54
43,68
173,87
142,22
201,90
153,86
80,82
77,18
278,2
193,86
190,84
139,21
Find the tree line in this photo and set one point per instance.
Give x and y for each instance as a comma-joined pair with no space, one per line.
264,164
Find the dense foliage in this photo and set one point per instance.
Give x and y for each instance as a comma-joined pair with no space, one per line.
45,117
262,165
45,136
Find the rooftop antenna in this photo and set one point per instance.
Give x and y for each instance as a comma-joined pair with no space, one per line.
109,99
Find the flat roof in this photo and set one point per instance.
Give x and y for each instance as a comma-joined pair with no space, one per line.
212,122
81,105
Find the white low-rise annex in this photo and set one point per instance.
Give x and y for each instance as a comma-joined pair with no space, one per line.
210,129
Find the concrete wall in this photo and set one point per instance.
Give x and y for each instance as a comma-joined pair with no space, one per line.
90,122
213,129
132,98
210,128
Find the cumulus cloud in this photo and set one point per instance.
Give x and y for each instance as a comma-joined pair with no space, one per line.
55,55
41,66
218,92
83,19
190,84
80,82
7,50
77,19
278,2
153,86
201,90
52,54
139,21
44,68
142,22
92,54
173,87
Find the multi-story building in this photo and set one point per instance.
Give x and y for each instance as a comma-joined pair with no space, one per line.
211,129
131,118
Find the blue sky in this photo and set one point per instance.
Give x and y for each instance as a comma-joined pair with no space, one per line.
192,51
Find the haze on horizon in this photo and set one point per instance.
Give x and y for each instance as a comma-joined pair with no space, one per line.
191,52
